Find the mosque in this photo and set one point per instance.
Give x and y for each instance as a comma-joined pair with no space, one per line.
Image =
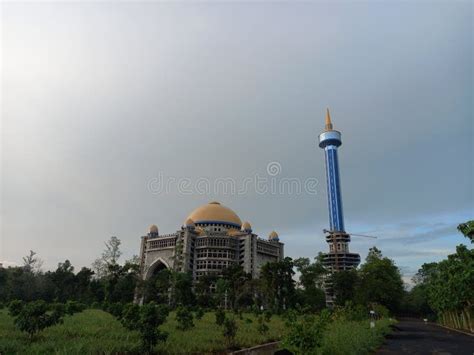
211,239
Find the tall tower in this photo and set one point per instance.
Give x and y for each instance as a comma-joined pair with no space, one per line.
339,257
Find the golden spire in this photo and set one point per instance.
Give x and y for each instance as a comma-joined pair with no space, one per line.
328,121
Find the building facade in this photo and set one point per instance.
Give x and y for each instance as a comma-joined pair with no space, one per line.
211,239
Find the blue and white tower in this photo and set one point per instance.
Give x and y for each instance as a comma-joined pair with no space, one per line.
330,140
339,257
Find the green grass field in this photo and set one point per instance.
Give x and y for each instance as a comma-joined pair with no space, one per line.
95,331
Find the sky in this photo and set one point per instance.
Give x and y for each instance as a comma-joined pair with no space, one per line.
115,115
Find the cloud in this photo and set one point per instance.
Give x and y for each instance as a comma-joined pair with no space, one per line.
6,263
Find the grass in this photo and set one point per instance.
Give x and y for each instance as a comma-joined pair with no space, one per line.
354,338
95,331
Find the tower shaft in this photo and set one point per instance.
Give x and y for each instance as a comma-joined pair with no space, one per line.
336,218
339,256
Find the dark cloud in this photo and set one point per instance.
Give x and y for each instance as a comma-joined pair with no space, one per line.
100,98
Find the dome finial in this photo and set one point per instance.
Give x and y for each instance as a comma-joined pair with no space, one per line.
328,121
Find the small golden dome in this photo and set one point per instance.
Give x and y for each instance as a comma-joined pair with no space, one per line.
153,229
273,235
214,212
246,226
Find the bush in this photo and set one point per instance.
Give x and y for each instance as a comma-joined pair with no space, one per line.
248,321
184,317
268,315
199,313
262,325
380,311
35,316
15,307
146,320
305,335
130,315
115,309
74,307
220,316
350,312
230,331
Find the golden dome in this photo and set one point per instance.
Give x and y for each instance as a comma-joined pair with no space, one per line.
214,212
246,226
273,235
153,228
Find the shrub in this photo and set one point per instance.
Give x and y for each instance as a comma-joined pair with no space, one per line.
350,312
146,320
220,316
381,311
115,309
74,307
35,316
184,317
248,320
262,325
306,334
15,307
96,305
268,315
130,315
230,331
199,313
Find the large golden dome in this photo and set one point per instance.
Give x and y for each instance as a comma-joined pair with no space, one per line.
214,212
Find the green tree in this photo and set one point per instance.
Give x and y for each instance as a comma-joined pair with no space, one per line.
467,229
146,320
310,293
184,317
230,331
344,285
450,287
236,279
379,281
305,334
278,284
36,316
220,316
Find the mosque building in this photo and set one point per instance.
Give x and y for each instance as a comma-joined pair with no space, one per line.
212,238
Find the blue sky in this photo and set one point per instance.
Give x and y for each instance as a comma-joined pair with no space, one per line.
99,99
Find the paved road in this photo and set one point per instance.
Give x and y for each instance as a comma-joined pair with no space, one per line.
412,336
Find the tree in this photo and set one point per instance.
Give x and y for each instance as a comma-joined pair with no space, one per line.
305,334
31,263
450,287
467,229
344,285
146,320
230,331
236,279
109,257
184,317
35,316
379,281
278,284
204,295
181,288
310,293
220,316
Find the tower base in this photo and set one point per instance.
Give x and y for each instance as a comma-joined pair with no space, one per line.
338,259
